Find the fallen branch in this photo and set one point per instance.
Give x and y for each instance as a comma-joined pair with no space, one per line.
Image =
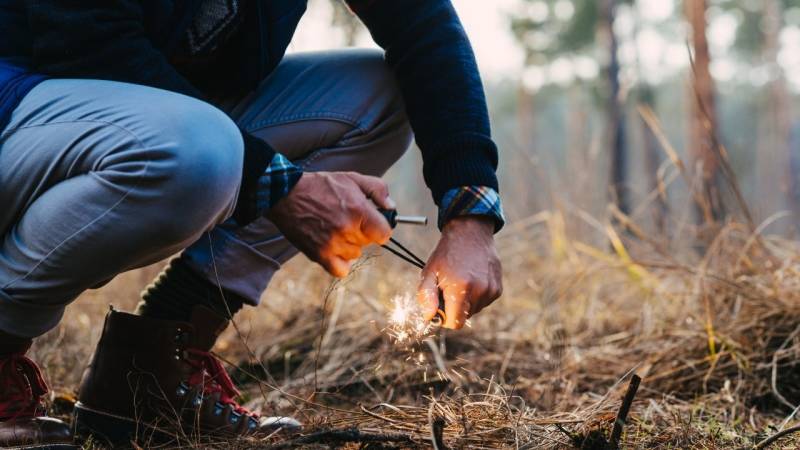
340,437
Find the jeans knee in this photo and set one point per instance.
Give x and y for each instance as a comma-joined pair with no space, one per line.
205,159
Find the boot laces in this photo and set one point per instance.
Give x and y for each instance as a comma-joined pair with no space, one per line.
213,378
22,385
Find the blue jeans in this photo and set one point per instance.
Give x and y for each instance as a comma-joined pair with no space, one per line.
99,177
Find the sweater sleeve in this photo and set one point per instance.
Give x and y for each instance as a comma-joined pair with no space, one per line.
106,39
431,56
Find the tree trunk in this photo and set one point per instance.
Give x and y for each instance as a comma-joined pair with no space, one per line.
703,120
525,162
774,173
652,161
614,109
646,96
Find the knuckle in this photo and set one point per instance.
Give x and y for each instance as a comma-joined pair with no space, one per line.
340,225
354,209
327,250
354,253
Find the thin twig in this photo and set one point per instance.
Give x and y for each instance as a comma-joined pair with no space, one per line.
776,436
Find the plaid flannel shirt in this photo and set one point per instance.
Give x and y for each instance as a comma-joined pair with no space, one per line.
281,175
277,181
472,201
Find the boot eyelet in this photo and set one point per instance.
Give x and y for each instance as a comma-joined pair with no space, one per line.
235,417
181,337
182,390
198,400
218,409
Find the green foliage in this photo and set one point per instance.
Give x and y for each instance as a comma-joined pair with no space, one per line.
546,37
750,32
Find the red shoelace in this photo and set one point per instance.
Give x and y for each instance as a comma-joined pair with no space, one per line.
212,377
21,387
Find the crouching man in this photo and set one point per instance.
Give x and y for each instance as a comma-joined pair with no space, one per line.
133,130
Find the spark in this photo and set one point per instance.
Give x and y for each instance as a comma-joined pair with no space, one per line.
407,329
407,326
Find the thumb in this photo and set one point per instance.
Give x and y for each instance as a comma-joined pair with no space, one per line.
428,295
375,189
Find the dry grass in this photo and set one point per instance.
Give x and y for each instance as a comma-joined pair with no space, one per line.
716,340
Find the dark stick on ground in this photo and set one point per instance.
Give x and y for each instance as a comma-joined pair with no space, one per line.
341,437
437,433
770,440
622,414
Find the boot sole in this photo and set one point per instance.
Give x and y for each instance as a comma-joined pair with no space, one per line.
113,430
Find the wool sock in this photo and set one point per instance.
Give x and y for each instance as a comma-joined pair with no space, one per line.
179,288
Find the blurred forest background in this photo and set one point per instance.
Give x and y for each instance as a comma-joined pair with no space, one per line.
568,81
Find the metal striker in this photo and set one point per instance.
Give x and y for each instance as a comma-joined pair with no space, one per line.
394,219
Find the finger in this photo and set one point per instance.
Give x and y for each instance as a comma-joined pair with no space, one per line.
335,265
493,293
340,266
347,251
428,295
375,189
480,296
374,227
457,306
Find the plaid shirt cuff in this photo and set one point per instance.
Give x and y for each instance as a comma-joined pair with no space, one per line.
472,201
276,182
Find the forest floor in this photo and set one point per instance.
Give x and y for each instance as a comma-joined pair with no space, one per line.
715,339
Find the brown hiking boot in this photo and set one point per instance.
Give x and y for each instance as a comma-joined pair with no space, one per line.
154,379
22,420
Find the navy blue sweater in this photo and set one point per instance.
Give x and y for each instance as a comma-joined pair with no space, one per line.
137,41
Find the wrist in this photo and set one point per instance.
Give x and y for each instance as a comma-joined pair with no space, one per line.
472,223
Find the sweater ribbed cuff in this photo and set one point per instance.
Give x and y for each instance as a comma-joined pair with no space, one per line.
465,160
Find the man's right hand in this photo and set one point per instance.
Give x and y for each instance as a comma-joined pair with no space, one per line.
331,216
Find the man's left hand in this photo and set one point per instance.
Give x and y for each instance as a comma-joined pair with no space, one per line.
465,267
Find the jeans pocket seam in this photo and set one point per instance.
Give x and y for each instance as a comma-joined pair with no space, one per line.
300,117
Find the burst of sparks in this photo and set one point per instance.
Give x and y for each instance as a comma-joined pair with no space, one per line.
406,324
